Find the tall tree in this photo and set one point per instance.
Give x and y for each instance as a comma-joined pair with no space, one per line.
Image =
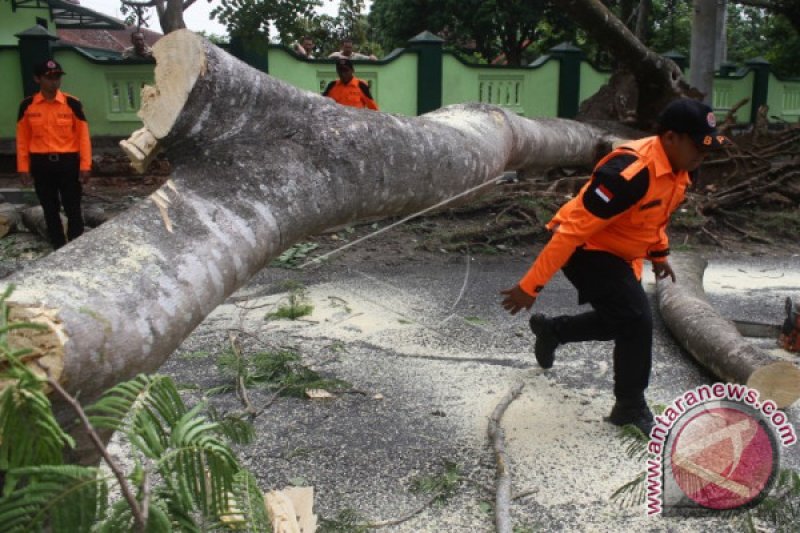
250,18
703,54
170,12
493,27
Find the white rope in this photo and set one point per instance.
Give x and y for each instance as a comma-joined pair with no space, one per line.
399,222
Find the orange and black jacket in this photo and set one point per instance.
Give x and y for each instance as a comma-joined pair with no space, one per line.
52,127
355,93
624,210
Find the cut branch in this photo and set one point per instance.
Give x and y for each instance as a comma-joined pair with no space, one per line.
715,342
502,511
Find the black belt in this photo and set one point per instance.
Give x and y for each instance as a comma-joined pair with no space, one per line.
55,157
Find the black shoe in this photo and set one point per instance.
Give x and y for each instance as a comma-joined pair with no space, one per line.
546,340
638,415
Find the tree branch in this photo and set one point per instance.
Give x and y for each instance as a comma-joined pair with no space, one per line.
138,516
503,481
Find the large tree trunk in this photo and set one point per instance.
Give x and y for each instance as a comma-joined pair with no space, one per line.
715,342
702,54
258,165
658,79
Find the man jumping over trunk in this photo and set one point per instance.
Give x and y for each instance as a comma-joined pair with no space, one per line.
600,239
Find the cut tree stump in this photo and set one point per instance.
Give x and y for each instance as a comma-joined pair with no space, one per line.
715,342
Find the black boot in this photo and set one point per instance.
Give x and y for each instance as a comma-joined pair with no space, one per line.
635,413
546,340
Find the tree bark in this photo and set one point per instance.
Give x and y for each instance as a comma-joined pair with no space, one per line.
715,342
659,80
257,166
702,54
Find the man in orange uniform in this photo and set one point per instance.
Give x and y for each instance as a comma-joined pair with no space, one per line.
349,90
600,239
53,147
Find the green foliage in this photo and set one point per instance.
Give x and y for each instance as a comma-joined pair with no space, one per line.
281,370
295,304
65,497
443,485
253,18
198,477
294,256
29,433
346,521
488,28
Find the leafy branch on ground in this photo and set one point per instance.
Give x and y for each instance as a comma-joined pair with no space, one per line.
184,474
282,371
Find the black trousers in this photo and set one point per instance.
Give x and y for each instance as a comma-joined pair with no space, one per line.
620,312
56,179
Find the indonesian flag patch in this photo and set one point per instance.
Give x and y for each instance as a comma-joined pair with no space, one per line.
604,193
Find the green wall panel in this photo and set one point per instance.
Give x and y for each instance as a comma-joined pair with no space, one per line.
11,91
13,22
392,84
530,92
784,99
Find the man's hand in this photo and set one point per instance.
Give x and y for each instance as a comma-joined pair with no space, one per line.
25,178
85,175
662,270
516,300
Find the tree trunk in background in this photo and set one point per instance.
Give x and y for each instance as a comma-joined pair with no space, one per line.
257,165
643,15
715,342
658,79
721,43
702,54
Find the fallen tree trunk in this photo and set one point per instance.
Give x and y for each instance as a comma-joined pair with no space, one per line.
10,218
258,165
715,342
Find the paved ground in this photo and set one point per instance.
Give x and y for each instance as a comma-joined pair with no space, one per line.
431,353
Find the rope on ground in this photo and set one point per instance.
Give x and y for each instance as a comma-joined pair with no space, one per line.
502,512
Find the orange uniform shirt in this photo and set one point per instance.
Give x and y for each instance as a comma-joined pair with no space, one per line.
52,127
355,93
623,210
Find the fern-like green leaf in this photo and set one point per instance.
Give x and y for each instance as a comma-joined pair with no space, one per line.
29,432
68,498
631,493
234,428
245,509
199,463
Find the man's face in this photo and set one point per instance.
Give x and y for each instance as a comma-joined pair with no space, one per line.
48,83
308,45
347,48
682,151
138,41
345,73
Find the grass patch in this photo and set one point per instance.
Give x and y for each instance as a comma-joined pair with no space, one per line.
295,305
346,521
294,256
279,370
444,484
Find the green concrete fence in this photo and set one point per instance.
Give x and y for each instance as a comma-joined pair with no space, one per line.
409,81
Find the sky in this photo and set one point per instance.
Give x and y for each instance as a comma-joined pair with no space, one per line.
196,17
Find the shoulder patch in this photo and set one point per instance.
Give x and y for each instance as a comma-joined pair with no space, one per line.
77,107
610,192
328,88
365,89
23,106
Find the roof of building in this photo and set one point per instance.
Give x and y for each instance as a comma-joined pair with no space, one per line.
117,40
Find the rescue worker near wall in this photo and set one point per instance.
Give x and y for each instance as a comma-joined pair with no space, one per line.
349,90
600,239
54,148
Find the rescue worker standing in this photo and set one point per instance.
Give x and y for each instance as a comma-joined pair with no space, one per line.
600,239
54,148
349,90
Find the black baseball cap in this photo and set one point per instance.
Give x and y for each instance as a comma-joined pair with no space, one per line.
50,66
342,62
693,118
